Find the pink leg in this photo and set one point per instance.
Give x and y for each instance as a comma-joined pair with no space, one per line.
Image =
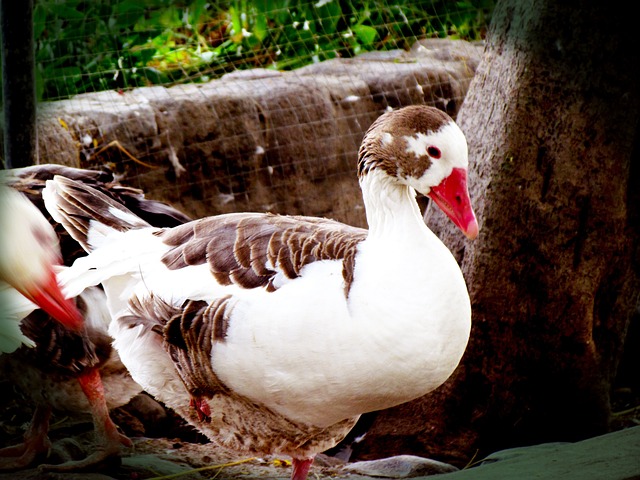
36,443
301,468
109,440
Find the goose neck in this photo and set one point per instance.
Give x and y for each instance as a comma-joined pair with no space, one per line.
390,206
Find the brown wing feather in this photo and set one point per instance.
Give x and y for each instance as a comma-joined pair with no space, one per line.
188,333
31,181
249,249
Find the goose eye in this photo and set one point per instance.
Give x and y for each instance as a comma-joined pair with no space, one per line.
434,152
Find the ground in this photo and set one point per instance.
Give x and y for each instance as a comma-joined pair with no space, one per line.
164,447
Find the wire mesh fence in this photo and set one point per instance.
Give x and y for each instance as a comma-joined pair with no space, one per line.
94,45
242,105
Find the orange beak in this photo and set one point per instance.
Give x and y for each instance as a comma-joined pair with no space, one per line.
50,298
452,196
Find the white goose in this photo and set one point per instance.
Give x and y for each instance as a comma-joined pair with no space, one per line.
274,333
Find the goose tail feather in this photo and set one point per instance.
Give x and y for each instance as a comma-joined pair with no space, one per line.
87,214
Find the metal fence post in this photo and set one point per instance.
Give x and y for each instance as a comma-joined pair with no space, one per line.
18,82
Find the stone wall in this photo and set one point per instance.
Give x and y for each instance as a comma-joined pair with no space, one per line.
255,140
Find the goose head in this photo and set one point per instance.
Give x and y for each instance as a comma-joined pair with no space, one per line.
422,148
29,253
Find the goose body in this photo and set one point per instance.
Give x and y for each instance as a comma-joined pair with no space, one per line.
274,333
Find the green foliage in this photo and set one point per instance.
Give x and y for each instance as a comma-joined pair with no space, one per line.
92,45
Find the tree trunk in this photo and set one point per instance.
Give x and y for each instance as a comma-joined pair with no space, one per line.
552,121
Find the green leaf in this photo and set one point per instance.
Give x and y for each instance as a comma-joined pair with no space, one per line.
39,21
236,24
127,13
329,15
197,12
39,84
66,13
127,6
365,34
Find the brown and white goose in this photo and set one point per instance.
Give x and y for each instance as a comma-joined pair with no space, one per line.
275,333
68,370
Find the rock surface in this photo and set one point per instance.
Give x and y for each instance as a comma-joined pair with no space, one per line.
615,456
400,466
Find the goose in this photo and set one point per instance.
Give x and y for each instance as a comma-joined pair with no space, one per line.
67,370
273,333
30,249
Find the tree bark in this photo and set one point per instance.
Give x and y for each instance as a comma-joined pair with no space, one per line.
552,120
